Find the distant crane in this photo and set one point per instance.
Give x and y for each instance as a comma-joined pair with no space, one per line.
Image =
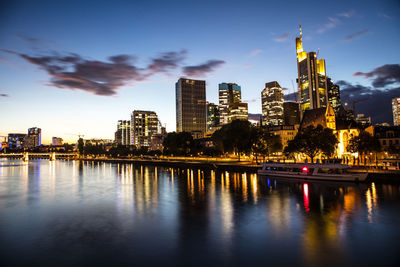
79,135
354,102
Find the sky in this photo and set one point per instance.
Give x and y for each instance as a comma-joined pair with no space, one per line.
77,67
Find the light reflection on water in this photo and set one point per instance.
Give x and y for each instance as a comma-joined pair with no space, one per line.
81,213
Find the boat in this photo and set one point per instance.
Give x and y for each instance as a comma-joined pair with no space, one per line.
309,171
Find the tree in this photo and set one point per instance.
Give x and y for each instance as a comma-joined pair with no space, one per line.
80,146
364,144
265,143
178,143
313,141
234,137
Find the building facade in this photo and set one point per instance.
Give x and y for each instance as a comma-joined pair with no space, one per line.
285,132
291,114
34,137
191,107
238,111
388,136
16,140
228,93
123,135
396,111
144,126
272,104
212,117
311,81
56,141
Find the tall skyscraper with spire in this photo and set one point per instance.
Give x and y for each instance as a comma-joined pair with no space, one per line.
311,81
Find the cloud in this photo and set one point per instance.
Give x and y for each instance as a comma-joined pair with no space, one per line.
332,23
255,52
382,76
166,61
355,35
386,16
35,43
202,69
374,103
282,38
254,100
4,95
347,14
74,72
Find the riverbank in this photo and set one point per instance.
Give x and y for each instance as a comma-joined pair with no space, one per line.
242,166
220,164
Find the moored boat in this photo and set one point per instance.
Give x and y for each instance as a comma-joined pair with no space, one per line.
307,171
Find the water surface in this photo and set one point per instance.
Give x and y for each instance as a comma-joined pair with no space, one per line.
69,213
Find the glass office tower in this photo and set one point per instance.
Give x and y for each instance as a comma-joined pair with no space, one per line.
311,81
191,107
229,93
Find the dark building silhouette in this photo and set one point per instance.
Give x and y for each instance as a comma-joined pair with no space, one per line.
333,95
191,107
291,113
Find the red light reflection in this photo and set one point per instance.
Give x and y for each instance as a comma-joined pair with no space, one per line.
305,197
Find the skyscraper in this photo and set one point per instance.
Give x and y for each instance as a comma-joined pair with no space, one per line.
396,111
144,126
124,132
34,137
311,81
272,104
238,111
212,116
229,93
191,107
333,94
291,113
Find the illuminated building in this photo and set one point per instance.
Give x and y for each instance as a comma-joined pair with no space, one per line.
212,117
285,132
311,81
34,136
343,129
56,141
272,104
229,93
123,135
291,114
333,94
396,111
363,121
144,126
191,107
16,140
238,111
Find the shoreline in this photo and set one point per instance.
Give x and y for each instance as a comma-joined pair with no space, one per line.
374,175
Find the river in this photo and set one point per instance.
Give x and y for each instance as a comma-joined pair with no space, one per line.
71,213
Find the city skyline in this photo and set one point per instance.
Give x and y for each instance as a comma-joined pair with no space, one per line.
257,51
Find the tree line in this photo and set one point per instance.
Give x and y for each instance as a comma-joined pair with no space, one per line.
242,138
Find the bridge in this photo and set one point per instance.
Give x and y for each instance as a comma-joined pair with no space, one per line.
51,155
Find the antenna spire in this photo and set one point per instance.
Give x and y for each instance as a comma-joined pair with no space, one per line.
300,28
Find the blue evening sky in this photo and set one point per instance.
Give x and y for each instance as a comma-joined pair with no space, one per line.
255,39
